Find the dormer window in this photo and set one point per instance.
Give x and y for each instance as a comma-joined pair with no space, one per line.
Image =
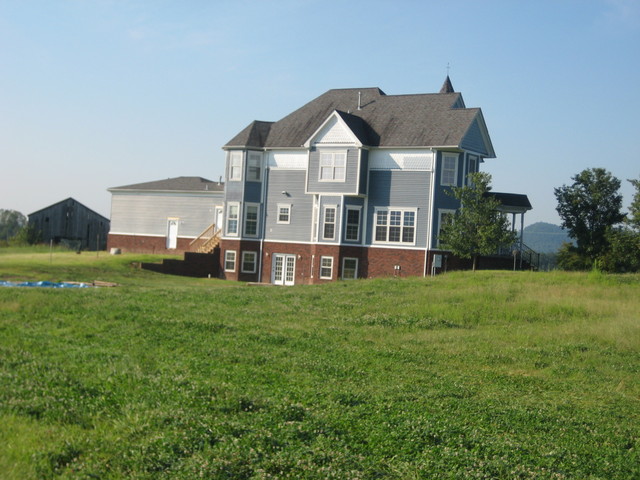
333,166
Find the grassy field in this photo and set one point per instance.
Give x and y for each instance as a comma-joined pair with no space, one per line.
466,375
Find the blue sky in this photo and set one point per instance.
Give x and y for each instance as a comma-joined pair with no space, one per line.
99,94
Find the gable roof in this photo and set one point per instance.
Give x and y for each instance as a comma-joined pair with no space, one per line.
176,184
69,201
379,120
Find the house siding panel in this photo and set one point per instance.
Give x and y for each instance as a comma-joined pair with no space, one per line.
146,214
350,185
474,141
401,189
299,228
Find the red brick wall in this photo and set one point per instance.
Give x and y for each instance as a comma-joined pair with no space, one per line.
239,246
382,262
145,244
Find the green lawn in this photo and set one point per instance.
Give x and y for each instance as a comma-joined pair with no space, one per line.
466,375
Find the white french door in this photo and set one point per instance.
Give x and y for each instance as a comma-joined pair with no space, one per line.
284,269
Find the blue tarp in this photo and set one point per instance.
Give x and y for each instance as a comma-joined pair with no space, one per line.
44,284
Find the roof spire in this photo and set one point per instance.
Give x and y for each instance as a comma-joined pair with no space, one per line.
446,86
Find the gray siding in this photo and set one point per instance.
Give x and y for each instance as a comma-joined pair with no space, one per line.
299,228
333,201
400,189
146,214
441,199
71,221
351,183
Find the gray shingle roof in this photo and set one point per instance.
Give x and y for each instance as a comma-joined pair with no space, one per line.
422,120
177,184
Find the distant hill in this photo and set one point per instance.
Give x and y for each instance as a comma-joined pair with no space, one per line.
545,237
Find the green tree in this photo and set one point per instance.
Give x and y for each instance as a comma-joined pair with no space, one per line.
11,222
589,208
623,254
634,210
477,227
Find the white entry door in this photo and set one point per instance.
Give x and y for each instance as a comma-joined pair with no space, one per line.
284,269
172,233
219,218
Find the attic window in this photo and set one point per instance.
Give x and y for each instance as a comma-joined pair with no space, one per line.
333,166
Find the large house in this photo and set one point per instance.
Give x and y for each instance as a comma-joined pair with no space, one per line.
351,185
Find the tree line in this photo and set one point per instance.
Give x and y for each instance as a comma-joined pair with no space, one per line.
590,209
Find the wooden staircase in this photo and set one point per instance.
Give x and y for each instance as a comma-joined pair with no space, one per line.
207,241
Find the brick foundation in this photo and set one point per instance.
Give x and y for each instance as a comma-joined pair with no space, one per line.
145,244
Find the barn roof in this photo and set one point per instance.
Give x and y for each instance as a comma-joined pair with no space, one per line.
176,184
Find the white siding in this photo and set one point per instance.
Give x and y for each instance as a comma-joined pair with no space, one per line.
401,160
147,213
334,133
290,160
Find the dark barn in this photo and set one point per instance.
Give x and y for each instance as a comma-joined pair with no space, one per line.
71,223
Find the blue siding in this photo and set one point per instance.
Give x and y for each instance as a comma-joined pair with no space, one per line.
299,228
351,183
473,140
441,199
253,192
364,172
400,189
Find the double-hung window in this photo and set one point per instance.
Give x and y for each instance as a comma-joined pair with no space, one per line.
352,227
326,268
251,220
449,174
284,213
235,166
443,216
249,261
230,261
349,268
254,168
473,166
333,166
232,218
329,224
395,226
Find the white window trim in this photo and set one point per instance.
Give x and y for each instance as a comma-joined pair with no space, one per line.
333,166
325,277
346,224
288,207
395,209
324,218
441,212
226,254
244,218
235,155
255,261
254,157
445,157
356,269
229,218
